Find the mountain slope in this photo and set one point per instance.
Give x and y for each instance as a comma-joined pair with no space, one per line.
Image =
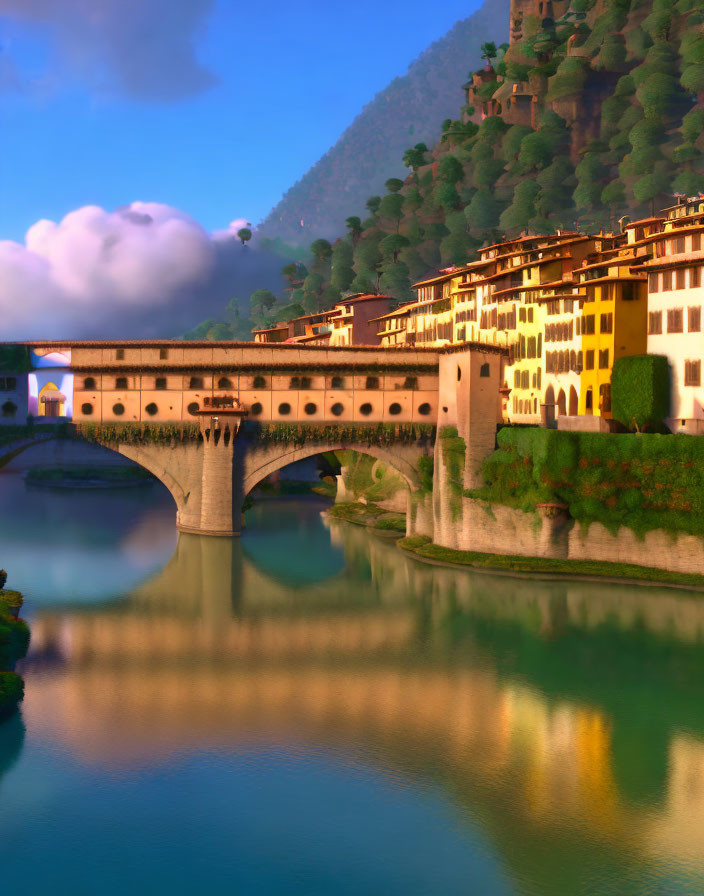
410,110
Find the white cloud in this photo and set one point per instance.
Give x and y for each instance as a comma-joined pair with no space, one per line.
97,270
144,48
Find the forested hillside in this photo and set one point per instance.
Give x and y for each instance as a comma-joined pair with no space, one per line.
593,114
410,110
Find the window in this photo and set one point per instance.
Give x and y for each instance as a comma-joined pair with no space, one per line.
516,379
485,370
666,281
256,409
365,409
522,315
531,346
118,409
121,382
674,320
120,354
372,382
163,354
224,383
525,379
695,278
89,383
696,242
678,245
87,409
9,409
692,373
459,373
604,359
606,324
259,382
578,326
284,408
310,408
195,382
680,278
424,409
294,382
152,409
655,323
530,315
629,293
540,344
588,324
337,409
395,409
411,382
589,359
338,382
160,382
8,384
193,408
588,401
653,282
305,382
605,398
694,318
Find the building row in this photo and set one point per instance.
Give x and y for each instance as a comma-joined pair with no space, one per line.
565,308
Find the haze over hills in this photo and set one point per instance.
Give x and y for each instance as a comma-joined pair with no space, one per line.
410,110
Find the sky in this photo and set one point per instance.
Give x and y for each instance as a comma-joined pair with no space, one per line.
216,110
137,136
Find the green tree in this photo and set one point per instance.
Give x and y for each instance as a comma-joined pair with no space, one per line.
391,245
414,158
220,333
321,251
393,184
354,228
342,270
373,204
244,234
450,169
392,207
489,50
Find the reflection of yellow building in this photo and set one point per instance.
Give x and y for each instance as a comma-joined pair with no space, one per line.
51,401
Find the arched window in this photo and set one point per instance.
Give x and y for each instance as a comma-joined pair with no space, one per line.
89,383
259,382
338,382
224,383
195,382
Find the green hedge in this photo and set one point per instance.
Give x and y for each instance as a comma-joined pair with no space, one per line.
11,693
640,391
642,481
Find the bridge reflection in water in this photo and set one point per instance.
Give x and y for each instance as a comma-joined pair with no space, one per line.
558,712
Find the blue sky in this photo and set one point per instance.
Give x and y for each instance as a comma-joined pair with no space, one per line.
246,97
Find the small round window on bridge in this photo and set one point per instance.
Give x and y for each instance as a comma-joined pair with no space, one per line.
310,408
395,409
87,409
284,409
424,409
118,409
151,409
256,409
365,409
337,409
193,408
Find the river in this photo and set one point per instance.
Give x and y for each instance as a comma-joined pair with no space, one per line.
305,710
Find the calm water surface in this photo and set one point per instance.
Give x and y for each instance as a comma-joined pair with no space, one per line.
307,711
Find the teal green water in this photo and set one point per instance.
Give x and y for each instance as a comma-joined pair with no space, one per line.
308,711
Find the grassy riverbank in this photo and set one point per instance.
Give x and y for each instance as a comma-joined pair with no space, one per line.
82,473
14,641
423,548
370,515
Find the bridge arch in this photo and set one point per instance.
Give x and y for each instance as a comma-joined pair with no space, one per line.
263,462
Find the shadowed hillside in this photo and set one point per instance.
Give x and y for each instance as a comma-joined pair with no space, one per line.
410,110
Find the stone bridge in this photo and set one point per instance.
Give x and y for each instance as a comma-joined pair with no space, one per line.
212,420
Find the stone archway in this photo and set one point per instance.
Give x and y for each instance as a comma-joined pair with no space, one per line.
561,404
574,402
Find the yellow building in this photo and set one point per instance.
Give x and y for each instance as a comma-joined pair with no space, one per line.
613,325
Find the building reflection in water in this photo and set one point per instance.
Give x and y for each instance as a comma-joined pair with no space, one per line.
566,709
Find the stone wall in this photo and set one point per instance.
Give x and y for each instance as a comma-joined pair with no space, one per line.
495,529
